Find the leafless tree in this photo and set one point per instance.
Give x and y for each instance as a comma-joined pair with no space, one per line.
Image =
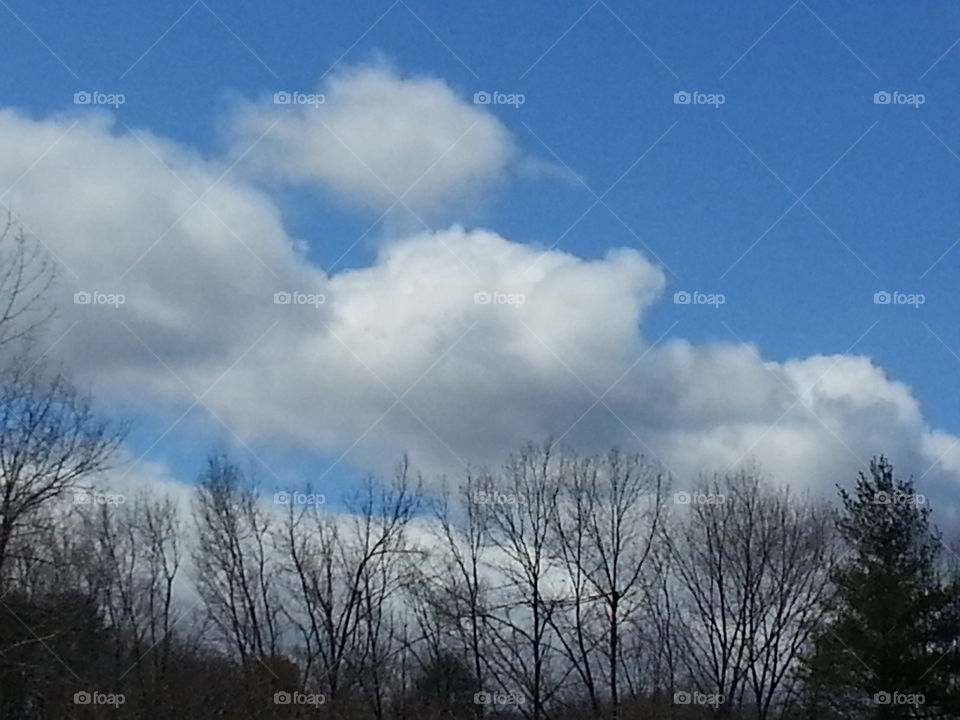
608,524
519,507
567,579
656,627
798,547
51,443
752,564
343,572
235,570
461,595
26,276
716,584
133,554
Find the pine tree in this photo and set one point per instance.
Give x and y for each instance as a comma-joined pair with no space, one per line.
889,648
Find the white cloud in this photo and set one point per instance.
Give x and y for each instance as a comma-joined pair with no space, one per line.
411,323
122,215
380,139
475,380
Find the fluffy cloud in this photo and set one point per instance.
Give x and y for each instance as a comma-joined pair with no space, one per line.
471,375
133,216
455,345
380,140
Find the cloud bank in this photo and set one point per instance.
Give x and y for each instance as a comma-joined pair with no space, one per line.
455,345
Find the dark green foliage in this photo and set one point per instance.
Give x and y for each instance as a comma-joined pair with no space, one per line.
893,630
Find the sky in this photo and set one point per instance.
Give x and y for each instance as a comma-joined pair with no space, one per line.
585,167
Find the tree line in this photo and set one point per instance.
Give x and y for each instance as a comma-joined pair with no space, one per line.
559,585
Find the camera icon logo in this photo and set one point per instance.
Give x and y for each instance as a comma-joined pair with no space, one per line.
482,698
682,97
681,498
281,498
82,98
282,698
681,698
681,297
481,98
82,298
482,298
282,98
882,98
282,298
82,698
882,698
881,298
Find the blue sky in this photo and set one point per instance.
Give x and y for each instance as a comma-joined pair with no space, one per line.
708,193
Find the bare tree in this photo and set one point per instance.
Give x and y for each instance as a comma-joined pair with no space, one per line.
607,527
461,596
716,584
342,572
656,628
132,551
236,572
26,275
519,508
798,547
381,516
51,443
160,531
752,564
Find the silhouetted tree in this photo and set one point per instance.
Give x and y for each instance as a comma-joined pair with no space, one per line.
889,648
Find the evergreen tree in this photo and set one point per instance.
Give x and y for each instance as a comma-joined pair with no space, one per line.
889,649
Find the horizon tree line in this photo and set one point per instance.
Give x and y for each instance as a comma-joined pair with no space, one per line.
558,586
